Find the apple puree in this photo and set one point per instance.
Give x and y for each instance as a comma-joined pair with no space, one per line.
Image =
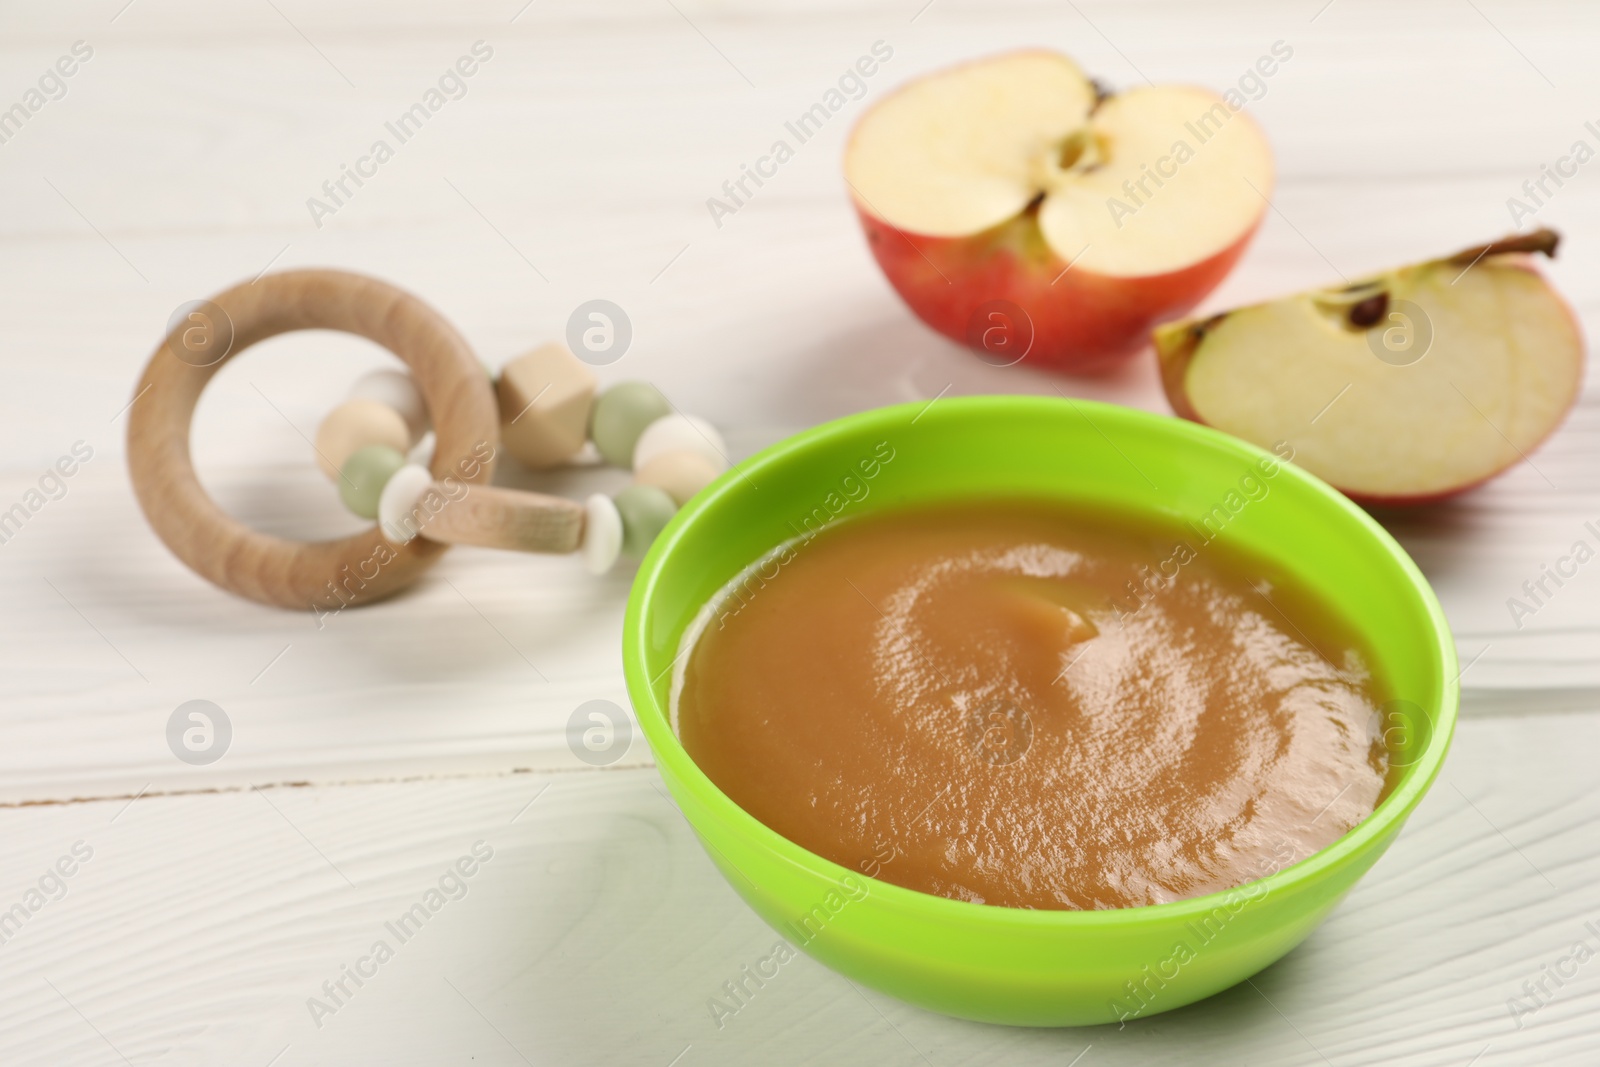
1010,704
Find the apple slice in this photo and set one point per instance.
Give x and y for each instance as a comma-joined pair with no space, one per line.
1407,387
1020,210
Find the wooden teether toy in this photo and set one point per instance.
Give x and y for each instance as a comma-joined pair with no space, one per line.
427,488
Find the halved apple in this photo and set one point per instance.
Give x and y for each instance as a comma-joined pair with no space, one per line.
1019,209
1406,387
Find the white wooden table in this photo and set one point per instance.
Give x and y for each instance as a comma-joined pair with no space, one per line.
371,753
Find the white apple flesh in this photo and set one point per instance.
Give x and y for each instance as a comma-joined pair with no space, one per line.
1013,181
1407,387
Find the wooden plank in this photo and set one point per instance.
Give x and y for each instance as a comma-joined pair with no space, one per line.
599,930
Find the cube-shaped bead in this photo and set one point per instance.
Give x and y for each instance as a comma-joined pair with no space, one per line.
545,397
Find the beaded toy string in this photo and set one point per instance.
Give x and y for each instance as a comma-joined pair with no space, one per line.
377,446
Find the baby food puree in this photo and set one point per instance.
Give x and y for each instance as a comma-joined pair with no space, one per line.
1015,703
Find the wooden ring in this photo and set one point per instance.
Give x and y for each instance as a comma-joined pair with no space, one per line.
322,575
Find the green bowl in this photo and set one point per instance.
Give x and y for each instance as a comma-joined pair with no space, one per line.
1010,965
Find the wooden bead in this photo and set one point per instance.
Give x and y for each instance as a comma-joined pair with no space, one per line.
545,398
602,534
621,414
395,390
686,433
397,504
356,424
645,512
363,476
681,474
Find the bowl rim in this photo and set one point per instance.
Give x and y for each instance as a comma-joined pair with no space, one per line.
670,755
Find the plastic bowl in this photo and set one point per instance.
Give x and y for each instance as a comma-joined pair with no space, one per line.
1010,965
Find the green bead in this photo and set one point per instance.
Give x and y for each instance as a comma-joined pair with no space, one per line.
620,415
363,476
645,511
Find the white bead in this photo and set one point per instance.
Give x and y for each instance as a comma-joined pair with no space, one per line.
602,534
398,500
395,389
681,433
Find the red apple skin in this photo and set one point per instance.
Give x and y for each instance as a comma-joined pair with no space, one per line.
1177,352
1082,322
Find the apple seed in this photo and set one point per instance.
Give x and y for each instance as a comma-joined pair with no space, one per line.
1369,311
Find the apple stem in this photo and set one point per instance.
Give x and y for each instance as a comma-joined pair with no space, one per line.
1102,93
1541,240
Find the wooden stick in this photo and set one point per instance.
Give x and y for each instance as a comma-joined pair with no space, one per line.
491,517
